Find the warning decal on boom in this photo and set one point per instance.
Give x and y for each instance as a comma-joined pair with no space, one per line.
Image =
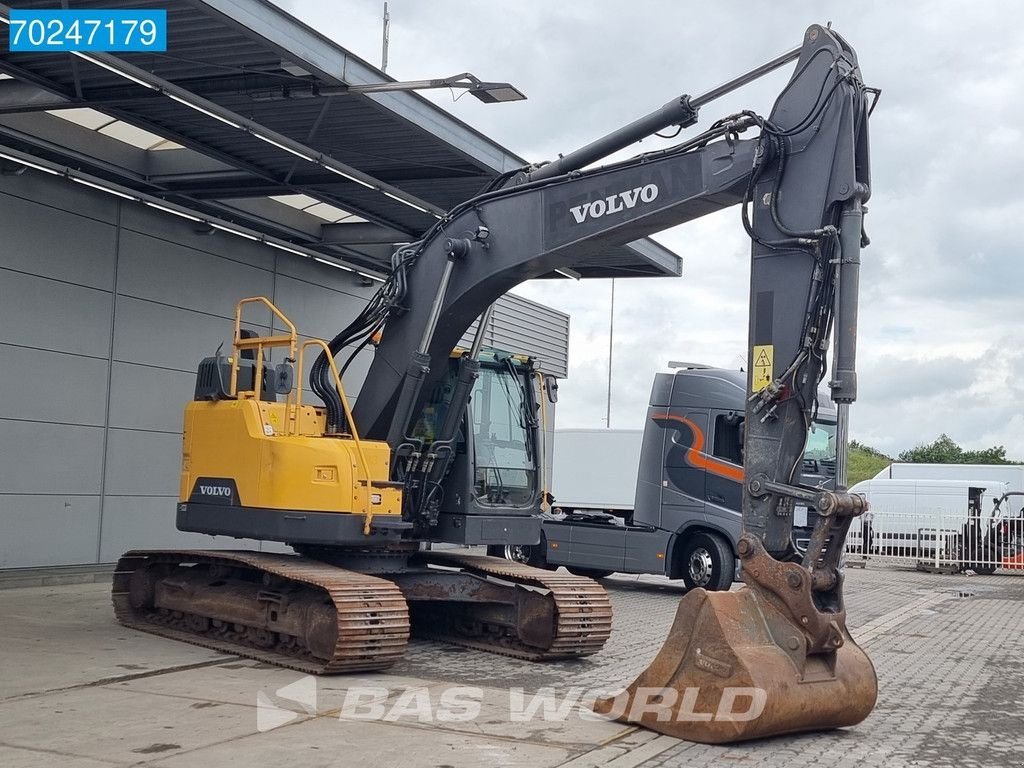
764,359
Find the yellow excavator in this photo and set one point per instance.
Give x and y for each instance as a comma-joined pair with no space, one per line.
443,446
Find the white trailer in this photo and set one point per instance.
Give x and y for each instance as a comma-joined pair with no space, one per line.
595,468
1011,474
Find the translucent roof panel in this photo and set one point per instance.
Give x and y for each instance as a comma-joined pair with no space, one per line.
103,123
314,207
83,116
351,219
331,213
296,201
131,134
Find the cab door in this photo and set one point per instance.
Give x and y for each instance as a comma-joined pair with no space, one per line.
724,482
684,486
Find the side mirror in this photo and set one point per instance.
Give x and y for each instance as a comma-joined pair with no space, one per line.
284,378
551,388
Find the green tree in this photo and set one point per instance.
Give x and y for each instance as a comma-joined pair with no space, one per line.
942,450
945,450
994,455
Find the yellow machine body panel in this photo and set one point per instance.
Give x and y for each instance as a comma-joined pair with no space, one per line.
278,457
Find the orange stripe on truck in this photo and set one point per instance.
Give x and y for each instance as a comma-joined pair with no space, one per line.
695,456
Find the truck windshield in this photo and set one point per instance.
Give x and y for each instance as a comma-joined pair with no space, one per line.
821,442
505,463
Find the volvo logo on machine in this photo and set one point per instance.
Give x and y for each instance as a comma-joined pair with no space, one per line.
214,490
617,203
574,212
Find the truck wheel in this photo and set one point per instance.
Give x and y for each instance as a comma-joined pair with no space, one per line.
707,561
529,554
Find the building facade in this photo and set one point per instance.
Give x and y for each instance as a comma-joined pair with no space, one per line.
106,307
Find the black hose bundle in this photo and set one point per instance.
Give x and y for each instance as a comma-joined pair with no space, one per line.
360,331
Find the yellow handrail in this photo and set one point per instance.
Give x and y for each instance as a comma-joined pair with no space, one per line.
295,353
259,342
365,466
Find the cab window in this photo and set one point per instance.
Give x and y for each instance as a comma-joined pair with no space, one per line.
729,438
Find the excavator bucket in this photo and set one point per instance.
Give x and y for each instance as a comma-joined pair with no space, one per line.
734,668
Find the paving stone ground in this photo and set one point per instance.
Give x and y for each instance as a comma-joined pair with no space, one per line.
949,656
78,690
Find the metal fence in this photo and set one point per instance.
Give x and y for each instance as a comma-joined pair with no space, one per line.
939,540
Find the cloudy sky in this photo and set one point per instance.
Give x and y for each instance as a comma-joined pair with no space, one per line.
941,316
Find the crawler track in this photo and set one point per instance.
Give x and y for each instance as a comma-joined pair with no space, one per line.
317,618
371,617
581,611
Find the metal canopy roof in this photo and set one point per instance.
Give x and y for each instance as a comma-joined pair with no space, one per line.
251,141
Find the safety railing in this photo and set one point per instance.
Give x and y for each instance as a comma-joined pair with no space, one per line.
364,466
939,539
260,344
293,400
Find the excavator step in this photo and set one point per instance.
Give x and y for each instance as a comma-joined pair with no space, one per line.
280,609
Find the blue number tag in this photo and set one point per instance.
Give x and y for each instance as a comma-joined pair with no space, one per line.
87,30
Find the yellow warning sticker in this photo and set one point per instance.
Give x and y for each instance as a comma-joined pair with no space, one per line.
764,360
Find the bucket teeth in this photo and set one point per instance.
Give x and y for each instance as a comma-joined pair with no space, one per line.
721,676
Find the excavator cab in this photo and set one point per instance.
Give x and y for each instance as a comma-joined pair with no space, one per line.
495,466
503,431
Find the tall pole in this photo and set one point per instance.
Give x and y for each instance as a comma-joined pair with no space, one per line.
611,343
384,45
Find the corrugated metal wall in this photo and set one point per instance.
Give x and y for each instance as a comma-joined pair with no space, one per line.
520,325
105,309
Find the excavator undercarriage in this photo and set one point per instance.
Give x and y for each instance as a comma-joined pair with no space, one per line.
280,609
319,618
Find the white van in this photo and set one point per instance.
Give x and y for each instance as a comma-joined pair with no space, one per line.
910,518
1013,474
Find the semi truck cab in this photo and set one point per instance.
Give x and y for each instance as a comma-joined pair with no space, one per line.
685,519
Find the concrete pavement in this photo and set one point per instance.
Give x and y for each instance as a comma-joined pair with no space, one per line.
76,689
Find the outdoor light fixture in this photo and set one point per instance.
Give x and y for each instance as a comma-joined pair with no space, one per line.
492,93
489,93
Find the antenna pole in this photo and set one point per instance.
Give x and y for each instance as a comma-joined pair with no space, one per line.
384,44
